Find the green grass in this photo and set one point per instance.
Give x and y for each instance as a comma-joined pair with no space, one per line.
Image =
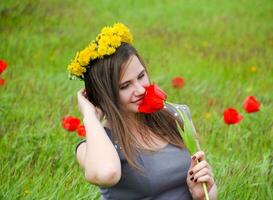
212,44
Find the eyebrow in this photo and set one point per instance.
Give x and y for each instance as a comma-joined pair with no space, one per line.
130,80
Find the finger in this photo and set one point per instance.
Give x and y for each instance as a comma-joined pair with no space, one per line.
84,92
199,155
205,178
194,157
199,166
98,113
202,172
79,93
98,110
193,163
81,90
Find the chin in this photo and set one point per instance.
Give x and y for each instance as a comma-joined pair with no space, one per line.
130,107
133,108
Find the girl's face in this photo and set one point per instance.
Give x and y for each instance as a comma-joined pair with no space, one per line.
131,85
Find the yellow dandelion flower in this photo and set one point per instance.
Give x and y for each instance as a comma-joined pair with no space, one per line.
76,69
107,30
118,28
102,50
253,69
115,41
120,32
84,57
127,38
93,52
98,37
207,115
111,50
124,32
104,41
92,45
107,40
93,55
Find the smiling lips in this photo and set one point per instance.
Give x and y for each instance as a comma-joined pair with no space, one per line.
138,101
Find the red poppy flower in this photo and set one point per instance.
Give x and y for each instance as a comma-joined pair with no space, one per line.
231,116
81,131
70,123
251,104
153,100
3,66
2,81
178,82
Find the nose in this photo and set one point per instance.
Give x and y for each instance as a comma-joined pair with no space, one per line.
139,89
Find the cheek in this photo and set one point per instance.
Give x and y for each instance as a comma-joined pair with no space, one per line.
124,96
145,82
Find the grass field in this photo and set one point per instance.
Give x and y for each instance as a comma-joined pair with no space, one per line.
223,50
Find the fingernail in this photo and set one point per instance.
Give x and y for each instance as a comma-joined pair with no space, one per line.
194,157
191,172
191,178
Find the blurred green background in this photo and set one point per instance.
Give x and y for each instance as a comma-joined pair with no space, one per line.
223,50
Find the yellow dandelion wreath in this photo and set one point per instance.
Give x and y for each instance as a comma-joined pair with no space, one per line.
106,43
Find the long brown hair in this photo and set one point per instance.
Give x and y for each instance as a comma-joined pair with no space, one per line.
102,87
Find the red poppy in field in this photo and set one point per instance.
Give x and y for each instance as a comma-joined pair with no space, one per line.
231,116
251,104
81,131
3,66
153,99
2,81
70,123
178,82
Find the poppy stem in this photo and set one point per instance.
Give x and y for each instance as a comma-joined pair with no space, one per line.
204,185
188,125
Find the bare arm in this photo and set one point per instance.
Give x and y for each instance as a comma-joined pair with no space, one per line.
97,155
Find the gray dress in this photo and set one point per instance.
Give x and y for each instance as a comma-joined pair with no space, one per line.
164,178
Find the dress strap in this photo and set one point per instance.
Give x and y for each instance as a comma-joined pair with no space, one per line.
79,145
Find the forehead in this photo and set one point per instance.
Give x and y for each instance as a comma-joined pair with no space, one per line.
132,68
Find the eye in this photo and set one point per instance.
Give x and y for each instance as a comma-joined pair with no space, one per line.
124,87
141,76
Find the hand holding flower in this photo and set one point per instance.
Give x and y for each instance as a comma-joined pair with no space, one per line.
200,172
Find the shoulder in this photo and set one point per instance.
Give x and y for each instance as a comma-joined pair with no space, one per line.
82,144
81,148
80,152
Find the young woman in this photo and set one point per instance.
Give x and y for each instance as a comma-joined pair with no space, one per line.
131,155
